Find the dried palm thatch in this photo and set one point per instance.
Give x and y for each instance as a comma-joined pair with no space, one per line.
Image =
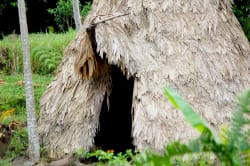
196,46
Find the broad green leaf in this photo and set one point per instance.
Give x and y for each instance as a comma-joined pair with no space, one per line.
191,117
177,148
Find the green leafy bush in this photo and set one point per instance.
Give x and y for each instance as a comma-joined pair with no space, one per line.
63,13
85,9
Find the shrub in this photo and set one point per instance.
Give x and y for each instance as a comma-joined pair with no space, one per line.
63,13
85,9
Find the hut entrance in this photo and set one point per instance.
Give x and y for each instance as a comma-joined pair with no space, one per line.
116,123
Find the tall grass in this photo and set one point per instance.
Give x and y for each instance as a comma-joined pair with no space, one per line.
48,45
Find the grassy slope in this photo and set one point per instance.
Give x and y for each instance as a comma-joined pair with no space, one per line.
12,45
12,91
57,41
12,94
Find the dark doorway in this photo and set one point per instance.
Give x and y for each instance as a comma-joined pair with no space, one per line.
116,123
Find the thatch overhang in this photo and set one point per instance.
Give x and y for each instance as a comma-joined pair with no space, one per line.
197,47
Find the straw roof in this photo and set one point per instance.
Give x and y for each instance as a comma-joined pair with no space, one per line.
197,47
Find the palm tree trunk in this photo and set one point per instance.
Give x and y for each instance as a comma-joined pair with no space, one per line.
76,12
34,148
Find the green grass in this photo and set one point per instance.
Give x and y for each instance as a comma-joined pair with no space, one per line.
11,44
55,40
12,93
46,53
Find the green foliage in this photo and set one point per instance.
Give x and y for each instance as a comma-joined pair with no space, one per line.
149,158
12,93
239,132
63,13
242,12
5,162
233,152
106,157
51,43
10,54
85,9
19,143
45,59
191,117
12,96
229,153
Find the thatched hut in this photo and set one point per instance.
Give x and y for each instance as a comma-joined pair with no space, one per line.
124,55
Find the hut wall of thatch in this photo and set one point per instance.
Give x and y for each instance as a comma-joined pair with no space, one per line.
197,47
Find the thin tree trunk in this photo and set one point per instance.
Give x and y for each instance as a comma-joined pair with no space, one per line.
34,148
76,12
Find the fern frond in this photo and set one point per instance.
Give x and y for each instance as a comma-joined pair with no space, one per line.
46,59
190,115
51,66
42,57
57,59
239,130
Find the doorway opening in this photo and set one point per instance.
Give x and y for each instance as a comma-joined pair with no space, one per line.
116,123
